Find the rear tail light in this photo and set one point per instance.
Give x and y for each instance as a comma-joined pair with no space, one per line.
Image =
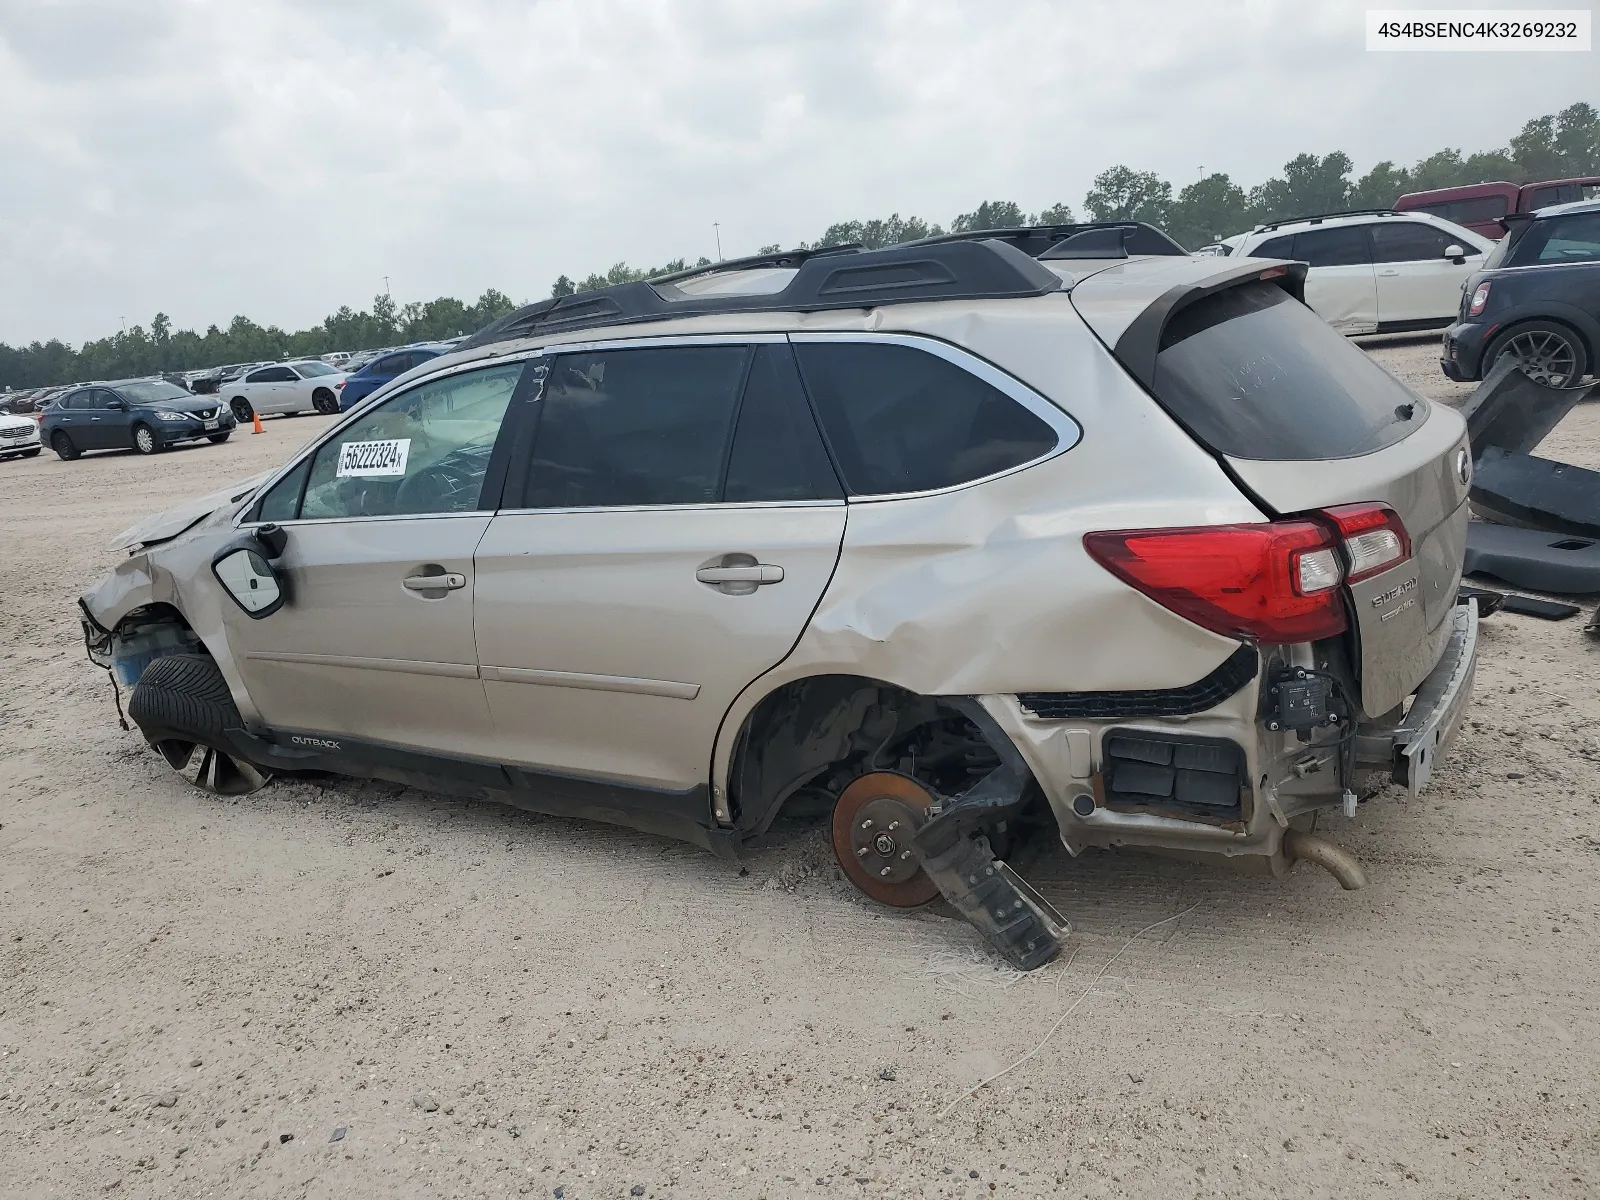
1479,299
1276,582
1374,537
339,387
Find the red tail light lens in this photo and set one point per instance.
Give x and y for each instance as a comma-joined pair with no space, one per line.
1374,537
1479,299
1276,582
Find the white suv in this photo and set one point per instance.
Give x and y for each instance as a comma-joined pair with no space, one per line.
1060,526
1378,271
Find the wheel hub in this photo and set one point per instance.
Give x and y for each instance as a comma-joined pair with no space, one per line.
873,823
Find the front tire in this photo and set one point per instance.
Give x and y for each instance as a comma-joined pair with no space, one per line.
325,402
218,438
62,445
145,440
34,453
242,412
1548,352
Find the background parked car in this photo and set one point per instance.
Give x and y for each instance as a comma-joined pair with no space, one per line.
284,388
1376,272
1537,297
1482,206
19,436
146,415
360,384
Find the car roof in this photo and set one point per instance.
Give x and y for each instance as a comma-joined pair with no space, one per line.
1561,210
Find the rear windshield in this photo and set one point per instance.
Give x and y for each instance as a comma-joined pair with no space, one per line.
1253,373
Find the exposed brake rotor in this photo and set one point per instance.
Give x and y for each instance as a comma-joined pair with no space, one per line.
873,821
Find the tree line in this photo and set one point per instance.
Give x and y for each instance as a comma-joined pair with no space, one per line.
1554,146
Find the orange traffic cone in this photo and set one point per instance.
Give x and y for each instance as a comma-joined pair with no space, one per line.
256,417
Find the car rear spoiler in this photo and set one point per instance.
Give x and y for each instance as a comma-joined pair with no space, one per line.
1140,342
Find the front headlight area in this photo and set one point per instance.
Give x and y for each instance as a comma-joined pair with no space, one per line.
176,416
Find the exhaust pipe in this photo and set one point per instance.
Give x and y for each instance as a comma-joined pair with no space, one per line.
1338,862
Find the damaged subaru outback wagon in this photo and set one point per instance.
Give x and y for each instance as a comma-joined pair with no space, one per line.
1053,523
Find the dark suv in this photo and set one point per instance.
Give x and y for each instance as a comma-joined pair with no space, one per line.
1537,298
146,415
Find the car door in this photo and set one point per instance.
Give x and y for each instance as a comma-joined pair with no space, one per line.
71,415
664,543
375,642
103,427
118,416
1340,285
1417,284
265,388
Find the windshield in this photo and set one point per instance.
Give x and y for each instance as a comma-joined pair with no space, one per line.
152,392
310,370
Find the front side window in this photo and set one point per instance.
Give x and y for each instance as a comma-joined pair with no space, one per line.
635,427
1411,241
1343,247
901,419
1278,247
424,451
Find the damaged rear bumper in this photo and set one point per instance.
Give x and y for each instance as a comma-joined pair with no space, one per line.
1410,749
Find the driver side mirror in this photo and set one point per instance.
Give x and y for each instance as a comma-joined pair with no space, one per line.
1455,254
243,569
116,405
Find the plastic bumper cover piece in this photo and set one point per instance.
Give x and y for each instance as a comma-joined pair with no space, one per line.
1436,713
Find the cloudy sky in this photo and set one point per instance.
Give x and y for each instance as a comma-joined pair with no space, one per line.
279,158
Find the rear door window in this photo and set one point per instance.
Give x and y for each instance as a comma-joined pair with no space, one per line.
1253,373
1278,247
1409,241
1342,247
634,427
777,453
901,419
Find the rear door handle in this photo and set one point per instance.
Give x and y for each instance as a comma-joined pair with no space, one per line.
759,573
1390,272
448,582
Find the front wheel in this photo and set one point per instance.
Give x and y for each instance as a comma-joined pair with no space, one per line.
218,438
1547,351
32,453
242,412
62,445
325,402
144,440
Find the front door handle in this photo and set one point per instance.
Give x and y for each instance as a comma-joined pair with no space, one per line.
447,582
758,573
1391,272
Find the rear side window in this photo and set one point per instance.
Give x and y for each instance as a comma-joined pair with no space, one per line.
777,452
1278,247
1410,241
901,419
1343,247
635,427
1253,373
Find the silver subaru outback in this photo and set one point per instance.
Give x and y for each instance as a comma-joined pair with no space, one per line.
1054,525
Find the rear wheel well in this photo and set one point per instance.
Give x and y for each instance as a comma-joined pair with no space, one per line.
807,739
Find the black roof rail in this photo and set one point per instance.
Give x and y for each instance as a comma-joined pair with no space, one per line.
976,268
1045,241
780,258
1314,218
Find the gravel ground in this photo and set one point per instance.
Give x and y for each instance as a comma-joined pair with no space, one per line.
355,990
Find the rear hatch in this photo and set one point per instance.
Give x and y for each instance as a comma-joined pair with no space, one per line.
1305,421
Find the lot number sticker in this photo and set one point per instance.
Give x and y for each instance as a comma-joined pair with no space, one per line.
374,458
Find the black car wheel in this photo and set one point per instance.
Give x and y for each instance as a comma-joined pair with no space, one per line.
325,401
218,438
1548,352
145,440
242,411
62,445
32,453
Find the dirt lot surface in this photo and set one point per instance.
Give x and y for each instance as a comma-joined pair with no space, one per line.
356,990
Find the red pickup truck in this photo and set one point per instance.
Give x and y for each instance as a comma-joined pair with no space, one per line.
1480,206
